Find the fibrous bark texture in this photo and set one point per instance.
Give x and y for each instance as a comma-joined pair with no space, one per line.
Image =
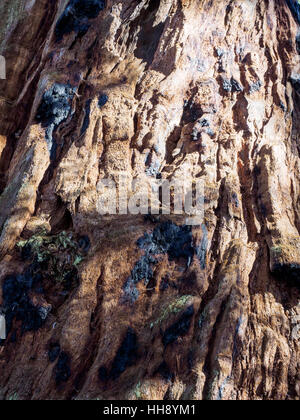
128,307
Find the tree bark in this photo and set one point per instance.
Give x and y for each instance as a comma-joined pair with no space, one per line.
130,307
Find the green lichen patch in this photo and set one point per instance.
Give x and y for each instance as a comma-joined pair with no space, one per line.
13,397
173,308
286,250
276,250
56,255
137,391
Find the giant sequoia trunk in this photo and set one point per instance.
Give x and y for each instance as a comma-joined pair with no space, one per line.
134,307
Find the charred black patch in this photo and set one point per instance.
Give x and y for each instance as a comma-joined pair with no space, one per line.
204,122
295,9
26,252
18,304
235,86
281,104
171,239
263,209
166,238
188,282
102,100
84,243
62,368
235,200
295,81
231,85
288,272
202,248
125,357
54,108
180,327
164,284
256,170
54,258
190,360
86,121
103,374
70,279
13,337
191,112
143,270
151,218
227,85
164,370
255,87
53,352
76,17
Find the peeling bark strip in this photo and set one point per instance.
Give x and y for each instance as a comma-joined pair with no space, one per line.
205,90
